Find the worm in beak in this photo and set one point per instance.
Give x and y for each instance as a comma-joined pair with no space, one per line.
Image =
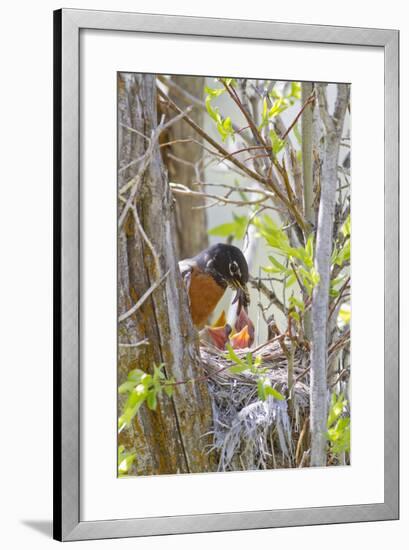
242,295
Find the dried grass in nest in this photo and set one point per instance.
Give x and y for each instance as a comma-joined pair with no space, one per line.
249,434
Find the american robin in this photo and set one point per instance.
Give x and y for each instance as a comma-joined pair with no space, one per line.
207,276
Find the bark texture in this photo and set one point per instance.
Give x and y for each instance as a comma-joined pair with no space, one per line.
333,126
184,161
306,129
171,438
308,184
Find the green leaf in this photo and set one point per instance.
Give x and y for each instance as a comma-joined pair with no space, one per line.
135,375
229,81
315,276
129,413
309,250
214,92
280,267
290,281
279,105
345,314
269,269
224,127
261,392
158,372
126,387
339,427
265,109
264,115
346,228
237,369
231,354
241,225
125,461
214,113
227,125
296,90
135,399
295,316
338,281
265,389
274,393
223,230
334,292
142,387
236,228
295,302
339,257
277,144
168,390
221,130
338,404
275,237
151,400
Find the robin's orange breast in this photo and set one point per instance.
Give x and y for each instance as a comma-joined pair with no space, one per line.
204,295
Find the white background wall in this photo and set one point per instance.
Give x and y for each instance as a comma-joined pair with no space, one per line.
26,292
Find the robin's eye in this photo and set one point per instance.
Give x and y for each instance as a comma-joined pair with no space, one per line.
234,269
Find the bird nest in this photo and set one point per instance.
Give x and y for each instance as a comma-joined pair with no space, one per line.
249,433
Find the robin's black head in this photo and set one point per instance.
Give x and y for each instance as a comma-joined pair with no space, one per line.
228,266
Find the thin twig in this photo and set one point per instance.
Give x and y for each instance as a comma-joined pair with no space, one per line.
143,342
341,291
146,239
143,298
244,149
135,161
311,99
183,190
270,294
233,94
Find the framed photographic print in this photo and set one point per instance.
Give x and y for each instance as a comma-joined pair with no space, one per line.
226,274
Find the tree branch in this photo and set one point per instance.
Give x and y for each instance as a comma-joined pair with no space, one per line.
320,297
308,181
269,293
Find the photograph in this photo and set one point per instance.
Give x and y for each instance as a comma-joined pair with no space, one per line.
233,274
210,224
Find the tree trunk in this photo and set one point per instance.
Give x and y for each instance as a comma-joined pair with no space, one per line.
333,126
308,183
306,129
170,438
184,161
